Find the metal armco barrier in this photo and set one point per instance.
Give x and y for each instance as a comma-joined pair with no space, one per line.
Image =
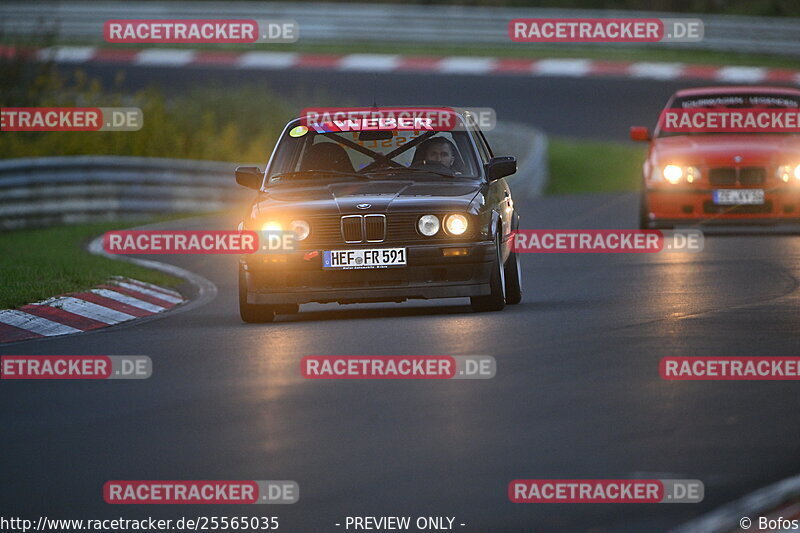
327,22
50,191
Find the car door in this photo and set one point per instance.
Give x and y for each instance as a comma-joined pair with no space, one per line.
498,198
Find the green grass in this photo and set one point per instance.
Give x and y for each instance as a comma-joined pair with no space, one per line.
39,263
594,166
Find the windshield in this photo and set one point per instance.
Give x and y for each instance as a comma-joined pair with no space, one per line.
304,154
731,101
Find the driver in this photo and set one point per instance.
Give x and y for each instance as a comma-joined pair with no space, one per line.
437,150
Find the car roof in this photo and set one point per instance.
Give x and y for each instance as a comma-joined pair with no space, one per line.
736,89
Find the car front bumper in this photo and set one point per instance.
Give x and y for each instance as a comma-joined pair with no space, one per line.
298,277
687,205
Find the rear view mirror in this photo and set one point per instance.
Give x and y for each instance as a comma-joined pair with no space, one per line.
639,133
500,167
249,177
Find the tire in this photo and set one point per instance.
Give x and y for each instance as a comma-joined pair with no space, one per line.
513,275
644,220
252,313
496,299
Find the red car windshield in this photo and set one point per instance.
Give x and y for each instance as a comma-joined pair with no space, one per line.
731,101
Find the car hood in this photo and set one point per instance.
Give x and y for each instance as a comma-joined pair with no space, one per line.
723,149
383,196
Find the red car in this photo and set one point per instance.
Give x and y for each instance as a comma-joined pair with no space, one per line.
721,177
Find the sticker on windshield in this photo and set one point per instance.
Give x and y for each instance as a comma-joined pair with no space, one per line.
298,131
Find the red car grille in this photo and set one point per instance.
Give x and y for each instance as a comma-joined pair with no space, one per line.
742,176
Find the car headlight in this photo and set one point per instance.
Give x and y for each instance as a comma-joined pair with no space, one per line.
301,229
672,173
456,224
428,225
272,225
786,172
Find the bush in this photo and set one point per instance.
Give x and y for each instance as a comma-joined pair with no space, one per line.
208,123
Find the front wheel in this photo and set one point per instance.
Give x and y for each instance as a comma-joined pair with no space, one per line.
644,220
513,275
252,313
496,299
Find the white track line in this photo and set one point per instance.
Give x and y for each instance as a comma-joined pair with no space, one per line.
90,310
149,286
67,54
562,67
267,60
149,292
206,290
392,62
741,74
164,57
657,71
466,65
370,62
129,300
33,323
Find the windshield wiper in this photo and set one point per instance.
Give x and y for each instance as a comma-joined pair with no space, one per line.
399,170
297,173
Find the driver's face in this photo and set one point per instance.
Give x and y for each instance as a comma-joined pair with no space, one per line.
440,153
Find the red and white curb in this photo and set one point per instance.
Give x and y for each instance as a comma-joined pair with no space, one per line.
120,300
162,57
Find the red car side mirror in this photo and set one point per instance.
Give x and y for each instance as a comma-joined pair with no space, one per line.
639,133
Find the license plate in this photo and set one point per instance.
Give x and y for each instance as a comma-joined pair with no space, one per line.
374,258
739,196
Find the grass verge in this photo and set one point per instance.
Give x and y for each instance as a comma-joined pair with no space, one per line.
40,263
593,166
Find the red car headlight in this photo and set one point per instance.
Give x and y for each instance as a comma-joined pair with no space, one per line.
674,174
787,172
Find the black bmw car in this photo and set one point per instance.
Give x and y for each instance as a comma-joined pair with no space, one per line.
381,215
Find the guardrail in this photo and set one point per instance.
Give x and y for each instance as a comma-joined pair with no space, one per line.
49,191
328,22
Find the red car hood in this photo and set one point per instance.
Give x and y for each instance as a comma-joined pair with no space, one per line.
755,149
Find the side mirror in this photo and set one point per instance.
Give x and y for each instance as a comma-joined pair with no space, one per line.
639,133
249,177
500,167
